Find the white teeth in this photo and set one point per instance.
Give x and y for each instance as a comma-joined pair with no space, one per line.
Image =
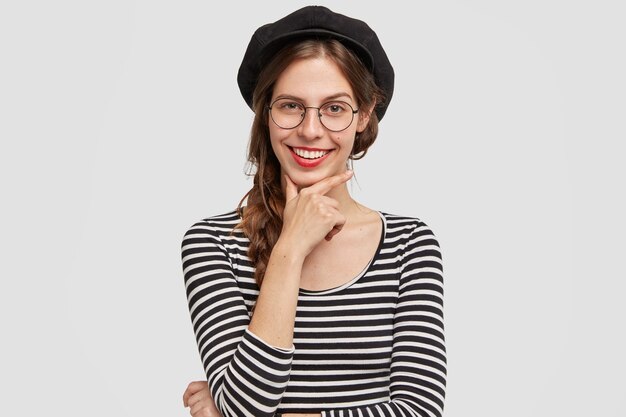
309,154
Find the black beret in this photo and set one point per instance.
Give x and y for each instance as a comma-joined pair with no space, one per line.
320,23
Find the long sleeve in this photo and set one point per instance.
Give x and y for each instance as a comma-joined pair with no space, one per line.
418,362
247,377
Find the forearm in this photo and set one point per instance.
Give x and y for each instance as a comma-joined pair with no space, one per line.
247,376
275,310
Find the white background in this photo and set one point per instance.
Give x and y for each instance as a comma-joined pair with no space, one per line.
121,125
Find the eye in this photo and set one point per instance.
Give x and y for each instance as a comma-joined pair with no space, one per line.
335,108
289,106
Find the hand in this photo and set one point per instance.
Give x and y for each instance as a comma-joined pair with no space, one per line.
198,397
310,215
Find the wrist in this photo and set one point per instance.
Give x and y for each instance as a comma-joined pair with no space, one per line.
286,250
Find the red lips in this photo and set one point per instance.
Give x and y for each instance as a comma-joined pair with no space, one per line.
309,163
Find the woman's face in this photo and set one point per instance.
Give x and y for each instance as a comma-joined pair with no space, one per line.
313,82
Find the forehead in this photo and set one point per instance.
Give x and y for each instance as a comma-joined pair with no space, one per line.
312,80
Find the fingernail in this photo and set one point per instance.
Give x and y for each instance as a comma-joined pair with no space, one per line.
349,172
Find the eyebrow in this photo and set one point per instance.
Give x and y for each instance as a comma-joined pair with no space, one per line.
328,98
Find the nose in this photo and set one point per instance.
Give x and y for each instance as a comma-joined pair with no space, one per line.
311,127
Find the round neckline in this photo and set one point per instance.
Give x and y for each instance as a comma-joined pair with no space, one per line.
332,290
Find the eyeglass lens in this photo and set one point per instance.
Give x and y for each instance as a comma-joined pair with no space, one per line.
334,115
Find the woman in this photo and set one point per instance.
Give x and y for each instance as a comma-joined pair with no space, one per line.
305,302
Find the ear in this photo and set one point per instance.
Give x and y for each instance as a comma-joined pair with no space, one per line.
364,118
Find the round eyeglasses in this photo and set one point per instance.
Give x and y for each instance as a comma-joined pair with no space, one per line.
334,115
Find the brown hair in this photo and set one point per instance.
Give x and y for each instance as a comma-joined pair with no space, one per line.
262,218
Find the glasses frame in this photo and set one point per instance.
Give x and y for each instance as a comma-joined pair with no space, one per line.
319,113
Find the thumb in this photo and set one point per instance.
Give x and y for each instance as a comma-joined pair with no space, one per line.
291,189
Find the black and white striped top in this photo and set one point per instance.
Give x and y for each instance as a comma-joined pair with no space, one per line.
371,347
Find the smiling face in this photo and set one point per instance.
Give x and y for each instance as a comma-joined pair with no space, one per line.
311,152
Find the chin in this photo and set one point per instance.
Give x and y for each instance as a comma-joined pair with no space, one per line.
306,179
303,181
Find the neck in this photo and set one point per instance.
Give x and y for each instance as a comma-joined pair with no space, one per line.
347,205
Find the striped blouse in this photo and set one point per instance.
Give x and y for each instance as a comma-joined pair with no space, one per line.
371,347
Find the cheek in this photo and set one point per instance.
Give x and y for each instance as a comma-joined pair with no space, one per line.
277,137
345,141
276,148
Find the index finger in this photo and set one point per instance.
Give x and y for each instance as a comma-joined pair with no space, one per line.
329,183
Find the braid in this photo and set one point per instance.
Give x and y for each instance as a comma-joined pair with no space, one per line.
262,221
